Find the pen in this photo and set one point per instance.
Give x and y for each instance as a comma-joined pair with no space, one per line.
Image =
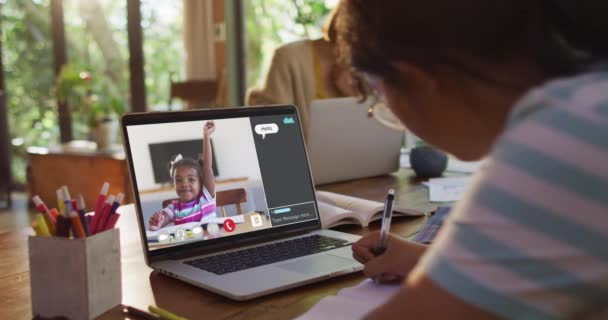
131,311
81,213
70,213
164,314
98,222
39,225
99,206
48,217
63,226
103,224
60,203
102,196
67,201
111,221
386,222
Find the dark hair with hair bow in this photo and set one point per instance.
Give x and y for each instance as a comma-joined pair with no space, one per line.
179,161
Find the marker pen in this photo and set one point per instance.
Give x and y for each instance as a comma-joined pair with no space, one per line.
70,214
48,217
102,197
63,226
117,202
112,221
115,205
99,206
81,213
55,213
60,203
67,200
98,223
77,227
39,225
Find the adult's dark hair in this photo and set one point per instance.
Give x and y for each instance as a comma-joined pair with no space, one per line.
562,36
186,162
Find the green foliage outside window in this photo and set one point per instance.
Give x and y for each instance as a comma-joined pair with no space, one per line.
271,23
90,99
97,42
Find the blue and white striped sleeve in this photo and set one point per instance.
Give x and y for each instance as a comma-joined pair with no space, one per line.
528,241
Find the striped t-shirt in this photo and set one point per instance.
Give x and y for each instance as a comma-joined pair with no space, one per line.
530,238
193,211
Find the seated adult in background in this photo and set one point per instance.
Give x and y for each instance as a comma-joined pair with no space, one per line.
524,83
303,71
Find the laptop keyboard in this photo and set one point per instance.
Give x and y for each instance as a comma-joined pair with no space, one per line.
262,255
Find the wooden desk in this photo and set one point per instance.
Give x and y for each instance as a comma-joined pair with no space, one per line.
81,168
142,287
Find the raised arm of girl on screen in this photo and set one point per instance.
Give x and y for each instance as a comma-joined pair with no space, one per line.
208,178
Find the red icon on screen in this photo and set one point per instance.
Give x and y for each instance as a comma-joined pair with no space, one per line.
229,225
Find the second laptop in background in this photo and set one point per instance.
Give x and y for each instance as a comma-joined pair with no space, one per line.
343,143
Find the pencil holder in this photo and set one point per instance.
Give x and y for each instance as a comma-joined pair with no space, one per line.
75,278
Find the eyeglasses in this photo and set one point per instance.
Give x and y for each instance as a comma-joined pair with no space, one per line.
381,112
378,108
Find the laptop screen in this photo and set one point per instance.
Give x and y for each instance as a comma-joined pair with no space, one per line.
205,177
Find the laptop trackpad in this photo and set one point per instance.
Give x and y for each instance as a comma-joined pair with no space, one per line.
317,264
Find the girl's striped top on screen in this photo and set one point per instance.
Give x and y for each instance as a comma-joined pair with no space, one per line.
193,211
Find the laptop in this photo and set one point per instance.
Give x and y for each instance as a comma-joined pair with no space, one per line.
267,240
340,131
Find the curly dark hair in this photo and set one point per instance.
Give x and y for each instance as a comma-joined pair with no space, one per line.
562,36
186,162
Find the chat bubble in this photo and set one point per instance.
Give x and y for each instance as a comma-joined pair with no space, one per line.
264,129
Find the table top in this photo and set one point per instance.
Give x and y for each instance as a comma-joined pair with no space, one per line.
142,287
79,148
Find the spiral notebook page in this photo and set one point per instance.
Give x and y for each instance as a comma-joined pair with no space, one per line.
352,303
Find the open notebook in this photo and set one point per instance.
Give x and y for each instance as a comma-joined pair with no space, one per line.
338,209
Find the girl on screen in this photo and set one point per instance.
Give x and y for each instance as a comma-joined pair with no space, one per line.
194,185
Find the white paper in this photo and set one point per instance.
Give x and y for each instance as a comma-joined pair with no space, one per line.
447,189
455,165
352,303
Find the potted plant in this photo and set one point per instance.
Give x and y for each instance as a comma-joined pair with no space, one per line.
96,103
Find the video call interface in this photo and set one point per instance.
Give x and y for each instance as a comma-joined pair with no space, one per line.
259,177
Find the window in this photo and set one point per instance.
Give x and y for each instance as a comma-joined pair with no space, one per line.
97,42
29,75
163,48
271,23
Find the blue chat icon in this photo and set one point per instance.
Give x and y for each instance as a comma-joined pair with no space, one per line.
288,120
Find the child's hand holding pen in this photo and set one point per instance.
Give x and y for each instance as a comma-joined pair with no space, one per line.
387,258
158,220
392,265
398,259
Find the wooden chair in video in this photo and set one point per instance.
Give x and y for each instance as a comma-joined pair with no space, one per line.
225,198
229,197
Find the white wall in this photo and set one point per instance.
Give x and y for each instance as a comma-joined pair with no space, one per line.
232,141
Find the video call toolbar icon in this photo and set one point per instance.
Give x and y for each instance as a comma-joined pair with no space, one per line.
229,225
256,220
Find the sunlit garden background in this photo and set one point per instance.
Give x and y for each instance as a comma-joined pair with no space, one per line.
96,36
